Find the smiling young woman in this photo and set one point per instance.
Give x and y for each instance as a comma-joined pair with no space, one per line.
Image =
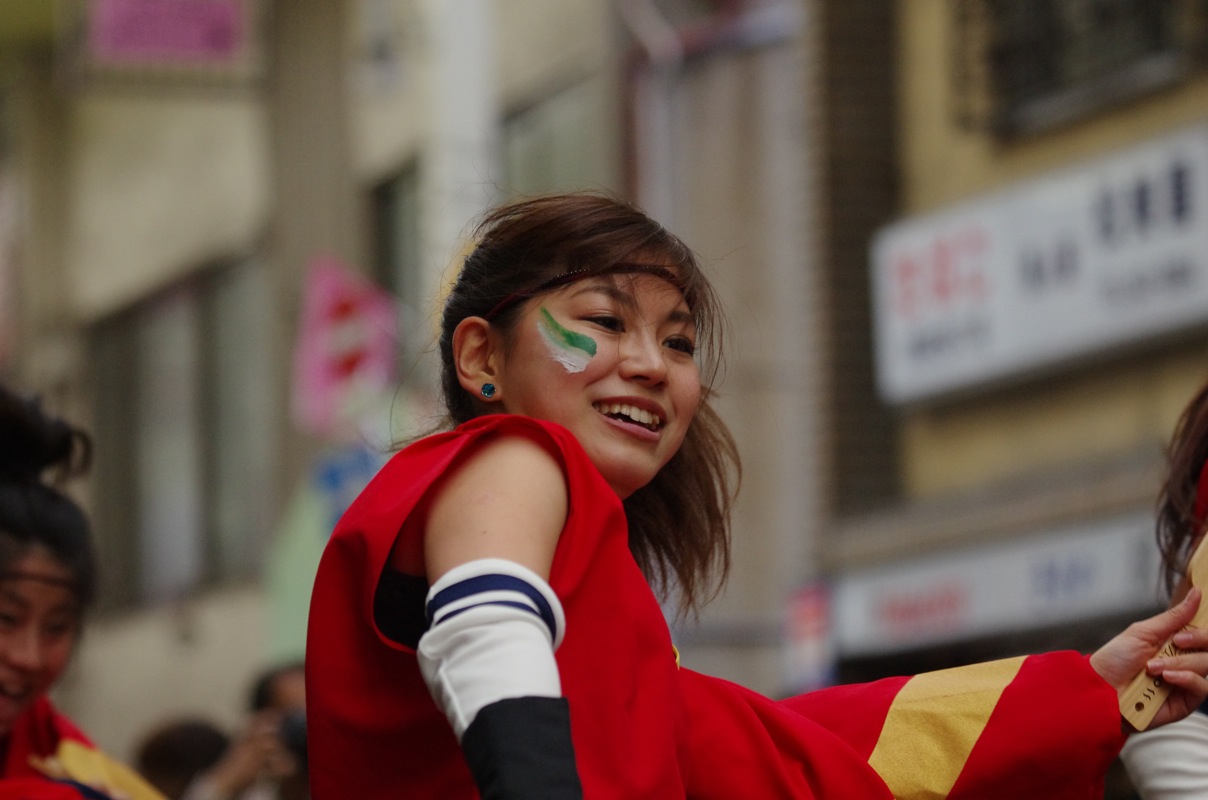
486,619
47,580
609,358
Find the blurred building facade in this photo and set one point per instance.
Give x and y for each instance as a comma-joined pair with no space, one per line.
159,214
170,177
1038,324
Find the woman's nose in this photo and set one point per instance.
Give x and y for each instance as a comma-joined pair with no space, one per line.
642,357
22,648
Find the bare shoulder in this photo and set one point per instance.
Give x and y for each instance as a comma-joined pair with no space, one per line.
506,498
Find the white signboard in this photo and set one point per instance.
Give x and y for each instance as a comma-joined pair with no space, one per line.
1110,252
1069,575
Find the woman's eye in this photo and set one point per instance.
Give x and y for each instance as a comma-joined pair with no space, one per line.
60,630
686,346
607,322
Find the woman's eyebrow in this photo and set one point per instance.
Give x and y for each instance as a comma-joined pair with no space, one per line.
603,287
628,300
15,597
681,316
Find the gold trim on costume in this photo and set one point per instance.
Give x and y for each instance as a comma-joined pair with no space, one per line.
932,725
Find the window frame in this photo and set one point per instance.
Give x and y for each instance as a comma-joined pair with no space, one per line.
985,43
205,552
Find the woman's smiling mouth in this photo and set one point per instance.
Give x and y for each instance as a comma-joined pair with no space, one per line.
630,413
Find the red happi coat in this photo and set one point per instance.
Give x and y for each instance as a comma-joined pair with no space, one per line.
46,757
642,726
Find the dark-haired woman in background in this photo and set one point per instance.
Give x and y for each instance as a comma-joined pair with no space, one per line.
1171,763
47,579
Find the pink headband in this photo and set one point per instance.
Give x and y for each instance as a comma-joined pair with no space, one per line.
1201,496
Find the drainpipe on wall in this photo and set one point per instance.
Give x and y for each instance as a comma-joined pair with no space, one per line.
653,64
462,108
743,640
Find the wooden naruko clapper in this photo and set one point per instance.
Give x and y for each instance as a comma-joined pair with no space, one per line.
1146,694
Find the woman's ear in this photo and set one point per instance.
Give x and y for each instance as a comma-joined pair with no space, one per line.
477,355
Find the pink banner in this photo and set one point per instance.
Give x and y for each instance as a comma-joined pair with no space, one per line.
346,350
167,32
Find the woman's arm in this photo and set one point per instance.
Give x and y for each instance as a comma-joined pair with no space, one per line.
491,527
506,500
1118,661
1170,763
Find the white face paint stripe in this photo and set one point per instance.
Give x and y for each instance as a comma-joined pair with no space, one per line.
570,349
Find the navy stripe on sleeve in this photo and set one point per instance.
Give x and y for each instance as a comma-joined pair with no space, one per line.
494,582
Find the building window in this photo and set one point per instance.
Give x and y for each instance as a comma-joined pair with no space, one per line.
398,268
1023,66
396,229
239,419
184,427
561,142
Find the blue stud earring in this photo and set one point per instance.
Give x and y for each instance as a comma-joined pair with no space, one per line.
488,390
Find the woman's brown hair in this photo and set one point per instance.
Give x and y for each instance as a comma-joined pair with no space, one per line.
38,452
1179,526
679,522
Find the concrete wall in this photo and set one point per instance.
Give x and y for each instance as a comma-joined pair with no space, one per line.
133,188
537,46
139,190
1128,407
159,185
942,163
196,657
734,155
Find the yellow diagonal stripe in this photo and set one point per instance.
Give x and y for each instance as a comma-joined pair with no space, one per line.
932,725
94,768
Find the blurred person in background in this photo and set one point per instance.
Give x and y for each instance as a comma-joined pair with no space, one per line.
48,578
1171,763
176,752
268,760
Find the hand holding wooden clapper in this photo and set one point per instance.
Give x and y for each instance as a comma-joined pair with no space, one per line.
1146,694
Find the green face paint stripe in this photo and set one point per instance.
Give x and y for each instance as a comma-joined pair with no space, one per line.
576,341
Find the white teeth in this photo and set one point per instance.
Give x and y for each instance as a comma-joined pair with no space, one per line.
638,415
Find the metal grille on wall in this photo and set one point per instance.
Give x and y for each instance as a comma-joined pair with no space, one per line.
9,244
1023,66
205,43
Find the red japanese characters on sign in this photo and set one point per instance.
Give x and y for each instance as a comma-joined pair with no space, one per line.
942,274
1105,253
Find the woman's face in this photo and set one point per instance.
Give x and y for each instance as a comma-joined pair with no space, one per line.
39,623
610,358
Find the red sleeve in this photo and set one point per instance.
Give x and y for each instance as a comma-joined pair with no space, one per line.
740,744
37,789
371,722
854,712
1057,727
1040,726
368,530
37,733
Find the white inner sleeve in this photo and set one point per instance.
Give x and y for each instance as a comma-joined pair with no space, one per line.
491,643
1171,762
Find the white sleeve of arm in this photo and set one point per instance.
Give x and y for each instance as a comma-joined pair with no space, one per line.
493,628
1171,762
